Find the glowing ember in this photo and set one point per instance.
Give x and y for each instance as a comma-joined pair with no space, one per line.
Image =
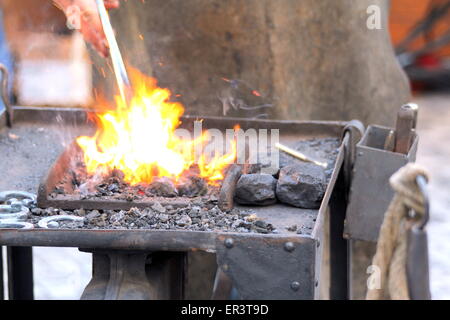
140,139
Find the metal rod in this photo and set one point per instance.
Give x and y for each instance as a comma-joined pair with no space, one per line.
299,155
422,184
120,71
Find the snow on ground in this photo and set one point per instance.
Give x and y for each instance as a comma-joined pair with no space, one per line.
434,155
62,273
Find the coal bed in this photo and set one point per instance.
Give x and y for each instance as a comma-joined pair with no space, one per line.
190,205
111,204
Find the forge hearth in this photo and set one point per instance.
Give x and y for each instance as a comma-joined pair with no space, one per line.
68,186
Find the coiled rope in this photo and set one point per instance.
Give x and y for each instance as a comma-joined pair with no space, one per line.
391,253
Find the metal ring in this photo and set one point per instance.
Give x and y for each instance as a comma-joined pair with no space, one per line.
43,223
5,195
11,212
423,187
354,130
13,224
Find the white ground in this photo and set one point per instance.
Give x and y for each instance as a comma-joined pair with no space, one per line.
434,155
63,273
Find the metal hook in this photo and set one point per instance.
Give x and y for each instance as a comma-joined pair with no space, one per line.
422,184
4,94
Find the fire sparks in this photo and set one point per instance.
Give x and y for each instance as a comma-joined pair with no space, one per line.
139,139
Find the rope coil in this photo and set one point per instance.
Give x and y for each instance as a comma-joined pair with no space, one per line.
392,244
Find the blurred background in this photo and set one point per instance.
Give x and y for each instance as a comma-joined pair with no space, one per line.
50,65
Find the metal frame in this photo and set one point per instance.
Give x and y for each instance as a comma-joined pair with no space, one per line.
255,263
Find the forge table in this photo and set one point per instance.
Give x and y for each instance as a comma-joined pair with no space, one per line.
150,264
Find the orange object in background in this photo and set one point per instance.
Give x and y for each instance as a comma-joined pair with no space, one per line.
405,14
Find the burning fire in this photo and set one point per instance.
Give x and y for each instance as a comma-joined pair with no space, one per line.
139,139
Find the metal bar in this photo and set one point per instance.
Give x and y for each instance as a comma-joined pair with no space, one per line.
20,273
299,155
120,71
338,245
2,294
404,134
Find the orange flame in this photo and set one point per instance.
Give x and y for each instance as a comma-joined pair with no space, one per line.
139,139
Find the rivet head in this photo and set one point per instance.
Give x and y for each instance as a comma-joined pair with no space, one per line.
289,246
229,243
295,285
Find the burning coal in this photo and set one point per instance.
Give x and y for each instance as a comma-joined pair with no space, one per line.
139,139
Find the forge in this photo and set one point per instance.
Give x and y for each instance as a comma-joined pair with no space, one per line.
240,235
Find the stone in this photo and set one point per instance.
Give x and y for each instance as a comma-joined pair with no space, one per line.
163,217
301,185
80,212
158,207
93,214
37,211
256,189
116,217
195,211
184,220
261,223
193,187
163,187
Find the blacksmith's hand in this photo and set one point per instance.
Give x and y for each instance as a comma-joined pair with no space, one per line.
83,16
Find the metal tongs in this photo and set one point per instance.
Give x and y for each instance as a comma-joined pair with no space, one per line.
123,82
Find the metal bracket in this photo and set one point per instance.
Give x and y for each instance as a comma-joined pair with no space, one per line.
417,268
353,132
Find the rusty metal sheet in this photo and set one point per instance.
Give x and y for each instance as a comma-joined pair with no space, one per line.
370,192
269,267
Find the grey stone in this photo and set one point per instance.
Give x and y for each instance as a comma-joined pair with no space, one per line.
163,217
158,207
80,212
195,211
93,214
116,217
37,211
301,185
256,189
184,220
261,223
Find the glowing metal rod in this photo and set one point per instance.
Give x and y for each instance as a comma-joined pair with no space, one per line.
120,72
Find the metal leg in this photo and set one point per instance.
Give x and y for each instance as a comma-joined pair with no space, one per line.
20,273
338,245
123,275
2,295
